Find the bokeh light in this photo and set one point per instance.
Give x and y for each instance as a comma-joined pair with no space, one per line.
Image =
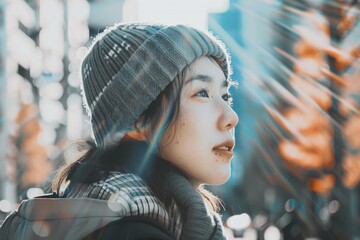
239,222
272,233
34,192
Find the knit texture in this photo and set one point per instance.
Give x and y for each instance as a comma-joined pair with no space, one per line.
197,222
129,195
186,217
129,65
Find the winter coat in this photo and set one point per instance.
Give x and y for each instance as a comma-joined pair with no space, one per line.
123,200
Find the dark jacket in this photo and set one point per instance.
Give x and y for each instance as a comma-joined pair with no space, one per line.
119,207
61,218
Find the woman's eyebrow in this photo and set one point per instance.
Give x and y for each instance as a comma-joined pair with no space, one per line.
205,78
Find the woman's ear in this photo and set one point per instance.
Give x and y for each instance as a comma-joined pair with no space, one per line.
139,135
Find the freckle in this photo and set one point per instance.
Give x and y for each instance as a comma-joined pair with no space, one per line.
183,124
177,142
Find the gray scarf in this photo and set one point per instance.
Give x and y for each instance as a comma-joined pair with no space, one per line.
198,223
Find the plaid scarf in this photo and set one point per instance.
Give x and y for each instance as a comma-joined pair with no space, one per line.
134,197
186,217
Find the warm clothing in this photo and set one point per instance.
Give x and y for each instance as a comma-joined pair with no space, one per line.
185,211
132,228
198,222
119,196
57,218
185,205
131,197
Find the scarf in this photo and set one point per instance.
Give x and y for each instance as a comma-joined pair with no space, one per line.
197,222
168,183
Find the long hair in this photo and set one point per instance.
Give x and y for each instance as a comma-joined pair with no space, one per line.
94,164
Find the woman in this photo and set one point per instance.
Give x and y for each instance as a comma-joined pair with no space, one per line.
163,125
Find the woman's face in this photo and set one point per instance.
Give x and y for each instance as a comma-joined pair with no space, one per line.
200,141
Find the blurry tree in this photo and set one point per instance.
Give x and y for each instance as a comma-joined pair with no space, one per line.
322,121
28,158
303,174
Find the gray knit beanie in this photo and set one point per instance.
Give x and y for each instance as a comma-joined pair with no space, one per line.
129,65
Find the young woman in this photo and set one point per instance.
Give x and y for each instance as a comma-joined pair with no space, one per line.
163,125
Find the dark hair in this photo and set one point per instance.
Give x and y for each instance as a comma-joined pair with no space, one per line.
94,164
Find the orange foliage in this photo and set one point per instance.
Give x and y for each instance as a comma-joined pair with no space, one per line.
351,131
321,97
351,165
29,152
323,184
313,148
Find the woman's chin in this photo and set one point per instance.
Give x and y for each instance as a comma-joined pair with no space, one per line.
220,179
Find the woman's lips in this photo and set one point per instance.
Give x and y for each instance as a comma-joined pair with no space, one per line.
223,153
224,149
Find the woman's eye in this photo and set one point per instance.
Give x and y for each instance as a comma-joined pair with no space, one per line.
227,98
203,93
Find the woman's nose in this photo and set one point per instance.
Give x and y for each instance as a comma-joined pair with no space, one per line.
228,118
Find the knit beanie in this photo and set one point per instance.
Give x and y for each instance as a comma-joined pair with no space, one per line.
129,65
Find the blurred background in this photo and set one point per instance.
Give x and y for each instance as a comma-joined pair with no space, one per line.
296,170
